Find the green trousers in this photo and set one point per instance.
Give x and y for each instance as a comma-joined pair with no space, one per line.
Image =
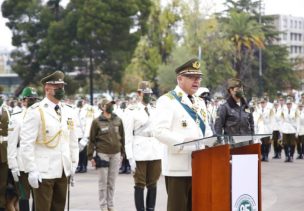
147,173
3,183
179,190
51,194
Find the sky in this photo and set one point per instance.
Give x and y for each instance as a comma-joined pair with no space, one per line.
284,7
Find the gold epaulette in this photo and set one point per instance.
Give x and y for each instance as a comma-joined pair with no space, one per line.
169,95
35,105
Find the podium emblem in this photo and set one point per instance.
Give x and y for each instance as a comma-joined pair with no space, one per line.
245,203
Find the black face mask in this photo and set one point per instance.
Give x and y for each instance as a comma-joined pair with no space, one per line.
79,104
123,105
239,94
146,98
59,93
31,101
109,108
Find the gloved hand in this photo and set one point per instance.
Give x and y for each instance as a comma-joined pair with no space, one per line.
82,143
34,178
16,174
72,181
132,164
73,168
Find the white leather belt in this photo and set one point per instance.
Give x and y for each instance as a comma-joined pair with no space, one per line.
3,139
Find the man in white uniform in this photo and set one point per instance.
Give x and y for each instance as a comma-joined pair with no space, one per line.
182,117
49,145
142,148
15,163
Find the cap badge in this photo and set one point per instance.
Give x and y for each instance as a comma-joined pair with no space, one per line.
196,65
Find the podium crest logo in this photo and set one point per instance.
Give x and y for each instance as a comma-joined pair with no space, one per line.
245,203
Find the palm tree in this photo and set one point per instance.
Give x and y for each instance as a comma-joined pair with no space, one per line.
247,36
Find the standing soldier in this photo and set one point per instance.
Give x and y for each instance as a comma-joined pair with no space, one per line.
85,115
181,117
276,127
264,126
49,145
4,120
289,130
29,97
300,131
234,116
142,148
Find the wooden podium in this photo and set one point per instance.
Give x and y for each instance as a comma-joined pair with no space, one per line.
211,177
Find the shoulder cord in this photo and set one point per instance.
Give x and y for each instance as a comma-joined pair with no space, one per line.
44,141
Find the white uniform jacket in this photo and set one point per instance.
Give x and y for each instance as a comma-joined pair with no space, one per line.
277,119
174,125
13,143
139,143
49,142
265,119
300,123
289,124
85,117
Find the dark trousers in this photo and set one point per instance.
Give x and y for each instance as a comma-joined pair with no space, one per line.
83,158
265,147
51,194
147,173
179,190
277,148
300,145
289,141
3,183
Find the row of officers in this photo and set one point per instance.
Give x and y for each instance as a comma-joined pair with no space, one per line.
48,141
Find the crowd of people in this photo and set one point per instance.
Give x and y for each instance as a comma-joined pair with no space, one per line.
44,143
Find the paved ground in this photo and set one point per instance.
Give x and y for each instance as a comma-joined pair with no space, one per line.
282,189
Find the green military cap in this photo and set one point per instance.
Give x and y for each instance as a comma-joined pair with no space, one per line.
54,78
105,101
234,82
191,67
29,92
144,87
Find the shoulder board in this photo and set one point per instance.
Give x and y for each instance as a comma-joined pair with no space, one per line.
34,105
68,105
16,113
132,107
169,95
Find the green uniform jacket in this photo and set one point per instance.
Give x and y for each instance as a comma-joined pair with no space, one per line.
4,119
106,136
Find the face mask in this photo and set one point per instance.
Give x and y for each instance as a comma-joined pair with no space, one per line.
59,93
109,108
31,101
1,101
146,98
79,104
239,94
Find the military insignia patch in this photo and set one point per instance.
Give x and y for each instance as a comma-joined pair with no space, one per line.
184,123
70,123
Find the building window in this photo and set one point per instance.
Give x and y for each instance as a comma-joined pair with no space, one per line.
285,23
284,36
300,24
296,24
300,49
291,49
291,23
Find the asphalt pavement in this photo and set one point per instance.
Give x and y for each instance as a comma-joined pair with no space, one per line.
282,189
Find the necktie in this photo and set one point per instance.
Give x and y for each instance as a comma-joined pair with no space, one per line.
57,109
190,98
146,110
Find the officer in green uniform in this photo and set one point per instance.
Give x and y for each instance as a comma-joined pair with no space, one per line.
49,145
29,97
4,120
